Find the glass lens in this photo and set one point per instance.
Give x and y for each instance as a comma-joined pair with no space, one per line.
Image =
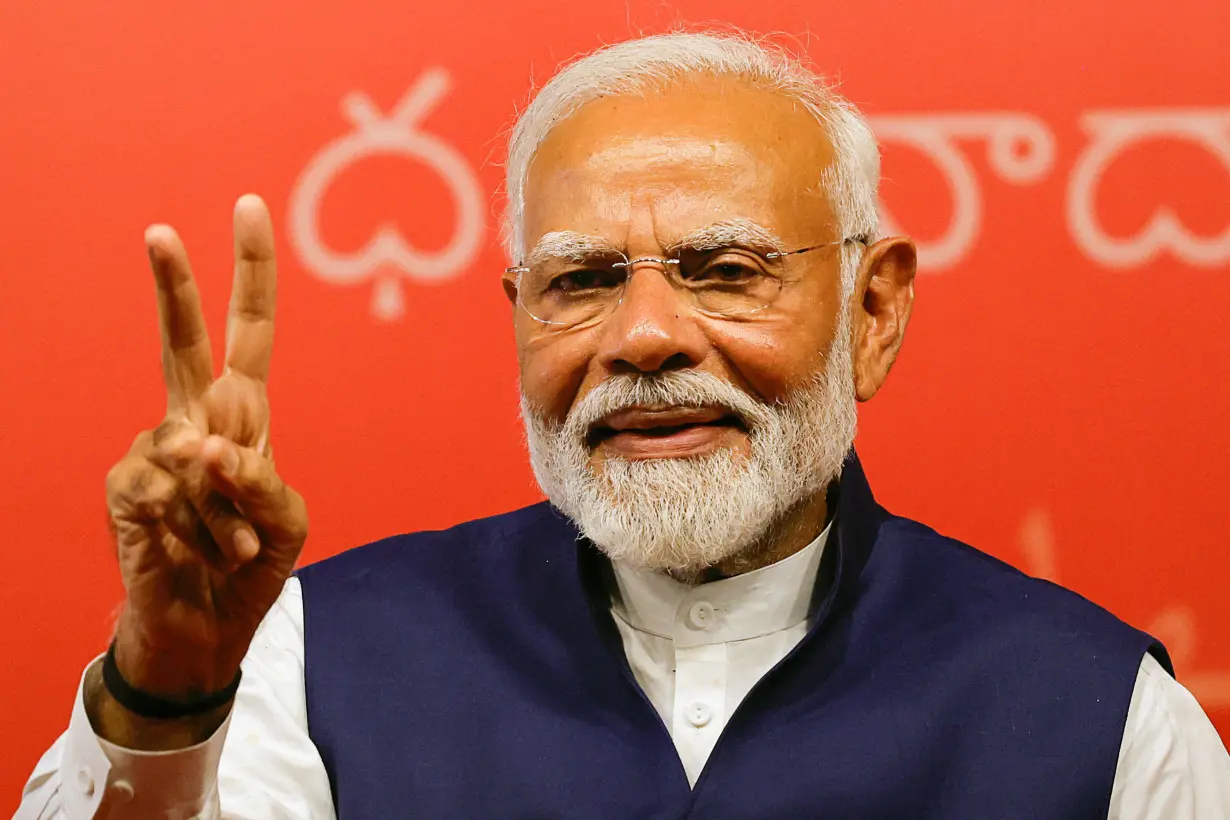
729,281
567,291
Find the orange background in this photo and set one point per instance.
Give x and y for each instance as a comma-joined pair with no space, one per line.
1067,416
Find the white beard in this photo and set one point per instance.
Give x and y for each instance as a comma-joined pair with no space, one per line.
687,514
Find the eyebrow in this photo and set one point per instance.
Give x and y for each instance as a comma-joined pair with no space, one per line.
737,232
568,245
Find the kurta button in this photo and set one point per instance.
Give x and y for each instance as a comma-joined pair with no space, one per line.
122,791
699,714
85,781
701,615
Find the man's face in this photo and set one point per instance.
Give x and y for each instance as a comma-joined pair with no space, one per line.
642,174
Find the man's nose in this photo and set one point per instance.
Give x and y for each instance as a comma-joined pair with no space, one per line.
652,328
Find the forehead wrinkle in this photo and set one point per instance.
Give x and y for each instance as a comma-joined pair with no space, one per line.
738,231
568,245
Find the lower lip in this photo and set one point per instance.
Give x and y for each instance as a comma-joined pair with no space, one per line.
696,440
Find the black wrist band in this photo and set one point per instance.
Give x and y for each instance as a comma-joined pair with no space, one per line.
151,706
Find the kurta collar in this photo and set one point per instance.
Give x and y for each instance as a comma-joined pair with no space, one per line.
745,606
847,548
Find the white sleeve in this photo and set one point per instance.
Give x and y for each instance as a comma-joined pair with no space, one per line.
259,764
1172,764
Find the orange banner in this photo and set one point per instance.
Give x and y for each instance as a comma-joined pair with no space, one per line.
1061,401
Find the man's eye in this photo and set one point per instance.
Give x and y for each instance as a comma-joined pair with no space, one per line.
584,280
725,271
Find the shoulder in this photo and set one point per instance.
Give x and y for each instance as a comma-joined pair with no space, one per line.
487,584
952,582
465,547
1171,762
959,574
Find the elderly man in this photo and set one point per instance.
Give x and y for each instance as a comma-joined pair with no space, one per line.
713,618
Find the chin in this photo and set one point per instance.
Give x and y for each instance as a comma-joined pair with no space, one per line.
678,514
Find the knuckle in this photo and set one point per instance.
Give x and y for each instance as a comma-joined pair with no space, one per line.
140,491
139,481
164,430
174,432
115,477
269,483
255,474
142,442
122,476
296,515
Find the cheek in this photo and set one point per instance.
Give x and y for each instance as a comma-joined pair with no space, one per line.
773,358
553,369
784,349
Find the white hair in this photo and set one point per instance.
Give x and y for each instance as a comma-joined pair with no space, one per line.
637,66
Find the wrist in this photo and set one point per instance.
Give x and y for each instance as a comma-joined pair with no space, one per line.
114,723
174,669
147,705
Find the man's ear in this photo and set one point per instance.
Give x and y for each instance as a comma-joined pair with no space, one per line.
883,299
509,281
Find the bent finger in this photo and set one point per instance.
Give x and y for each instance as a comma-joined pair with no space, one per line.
191,529
249,479
175,446
139,490
231,531
205,520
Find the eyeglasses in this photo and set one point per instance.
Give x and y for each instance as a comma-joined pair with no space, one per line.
582,289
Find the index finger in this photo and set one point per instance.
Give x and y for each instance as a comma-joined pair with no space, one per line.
187,365
249,324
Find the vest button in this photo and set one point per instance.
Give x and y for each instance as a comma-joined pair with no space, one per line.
701,615
699,714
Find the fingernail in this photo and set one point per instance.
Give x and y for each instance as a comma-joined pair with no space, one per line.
246,546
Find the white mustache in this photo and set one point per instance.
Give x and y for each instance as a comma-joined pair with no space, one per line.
676,388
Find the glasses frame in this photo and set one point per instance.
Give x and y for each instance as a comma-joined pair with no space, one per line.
520,270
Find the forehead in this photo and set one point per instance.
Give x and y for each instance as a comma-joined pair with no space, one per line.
668,162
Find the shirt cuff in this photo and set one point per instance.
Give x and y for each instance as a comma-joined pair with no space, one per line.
100,779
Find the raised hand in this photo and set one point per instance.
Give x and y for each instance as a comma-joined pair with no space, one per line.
207,532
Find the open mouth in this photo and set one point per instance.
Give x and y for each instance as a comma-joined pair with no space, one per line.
665,423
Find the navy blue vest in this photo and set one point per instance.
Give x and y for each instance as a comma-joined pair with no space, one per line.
476,673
